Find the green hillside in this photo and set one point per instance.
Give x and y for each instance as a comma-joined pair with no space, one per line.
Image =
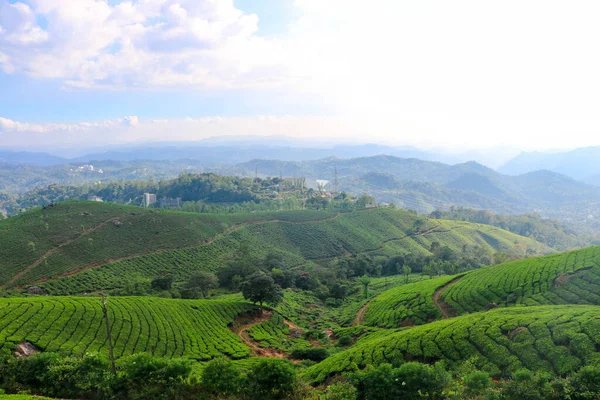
406,305
557,340
76,247
163,327
565,278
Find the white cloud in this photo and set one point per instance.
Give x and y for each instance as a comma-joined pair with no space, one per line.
461,73
8,127
426,133
89,43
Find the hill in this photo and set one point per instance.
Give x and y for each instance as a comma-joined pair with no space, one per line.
565,278
193,329
76,247
579,163
557,340
544,230
426,185
557,279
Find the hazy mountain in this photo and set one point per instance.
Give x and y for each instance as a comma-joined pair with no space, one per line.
582,164
238,149
25,157
427,185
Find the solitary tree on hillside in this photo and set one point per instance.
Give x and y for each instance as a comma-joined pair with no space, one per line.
201,282
261,288
365,281
406,270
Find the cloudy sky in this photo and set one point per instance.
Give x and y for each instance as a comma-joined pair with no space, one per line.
460,74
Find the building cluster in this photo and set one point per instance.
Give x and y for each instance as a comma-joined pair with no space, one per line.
87,168
164,202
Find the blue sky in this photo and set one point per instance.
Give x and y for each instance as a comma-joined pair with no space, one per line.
24,98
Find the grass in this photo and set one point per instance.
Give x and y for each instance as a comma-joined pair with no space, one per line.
194,329
75,247
554,339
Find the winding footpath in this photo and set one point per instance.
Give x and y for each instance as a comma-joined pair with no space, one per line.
445,309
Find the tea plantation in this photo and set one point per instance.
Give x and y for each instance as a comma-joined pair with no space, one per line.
566,278
193,329
406,305
555,339
79,247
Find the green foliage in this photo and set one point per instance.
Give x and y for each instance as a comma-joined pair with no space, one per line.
275,333
340,391
565,278
194,329
138,377
409,381
345,341
201,282
261,288
554,339
314,354
544,230
271,379
221,377
405,305
586,383
150,242
477,381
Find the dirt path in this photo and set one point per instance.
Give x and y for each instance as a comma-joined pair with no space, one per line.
52,250
242,332
360,315
445,309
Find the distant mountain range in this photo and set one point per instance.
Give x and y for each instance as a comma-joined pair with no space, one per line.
411,181
582,164
234,150
425,185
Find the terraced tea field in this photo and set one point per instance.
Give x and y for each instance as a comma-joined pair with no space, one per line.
406,305
148,242
167,328
74,236
556,339
556,279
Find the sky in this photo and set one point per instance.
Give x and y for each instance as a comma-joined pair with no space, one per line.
435,74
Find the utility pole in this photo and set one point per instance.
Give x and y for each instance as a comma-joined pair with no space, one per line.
256,173
108,335
335,180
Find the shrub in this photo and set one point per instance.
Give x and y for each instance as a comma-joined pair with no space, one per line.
410,381
314,354
221,377
586,383
156,378
477,382
270,379
340,391
345,341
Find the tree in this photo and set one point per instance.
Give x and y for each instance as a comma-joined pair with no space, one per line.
406,270
365,281
221,377
365,201
202,282
338,291
162,282
261,288
271,379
